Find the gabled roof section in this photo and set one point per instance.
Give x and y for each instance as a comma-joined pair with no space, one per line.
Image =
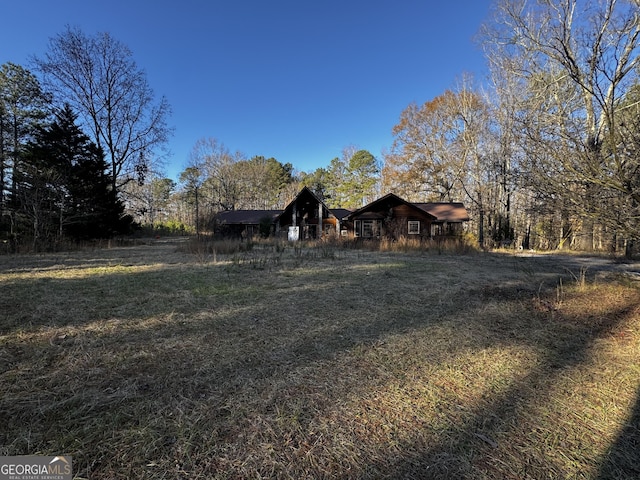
245,217
305,196
446,211
390,200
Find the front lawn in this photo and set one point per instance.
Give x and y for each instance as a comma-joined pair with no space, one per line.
282,362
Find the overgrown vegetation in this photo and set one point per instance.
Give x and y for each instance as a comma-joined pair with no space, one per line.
281,361
170,227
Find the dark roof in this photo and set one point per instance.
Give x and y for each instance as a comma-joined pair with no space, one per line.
445,211
340,213
441,211
245,217
390,199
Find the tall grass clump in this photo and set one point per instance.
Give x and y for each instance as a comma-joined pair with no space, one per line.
459,245
403,244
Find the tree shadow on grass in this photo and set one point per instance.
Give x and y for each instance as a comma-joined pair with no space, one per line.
475,447
622,461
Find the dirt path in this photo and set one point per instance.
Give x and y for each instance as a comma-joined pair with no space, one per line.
592,266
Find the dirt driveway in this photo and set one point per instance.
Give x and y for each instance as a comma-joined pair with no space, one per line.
592,266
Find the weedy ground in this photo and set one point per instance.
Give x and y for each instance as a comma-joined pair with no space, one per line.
166,361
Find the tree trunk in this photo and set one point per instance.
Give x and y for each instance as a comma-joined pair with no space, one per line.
481,228
197,214
628,250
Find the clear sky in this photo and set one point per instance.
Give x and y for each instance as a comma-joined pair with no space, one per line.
294,80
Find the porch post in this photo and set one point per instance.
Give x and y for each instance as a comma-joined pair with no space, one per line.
293,215
320,232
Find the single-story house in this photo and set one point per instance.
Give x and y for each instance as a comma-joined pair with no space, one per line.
307,217
245,223
391,216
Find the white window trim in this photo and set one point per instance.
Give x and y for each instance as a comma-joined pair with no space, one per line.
413,227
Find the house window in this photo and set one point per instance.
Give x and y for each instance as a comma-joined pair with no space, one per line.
414,227
367,228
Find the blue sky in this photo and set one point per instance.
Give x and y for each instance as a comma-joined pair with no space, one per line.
294,80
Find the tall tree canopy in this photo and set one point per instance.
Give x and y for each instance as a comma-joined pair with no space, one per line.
214,166
221,180
573,62
348,182
442,152
263,181
422,165
23,106
360,180
99,78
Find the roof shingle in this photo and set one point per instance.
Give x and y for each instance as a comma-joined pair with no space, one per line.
445,211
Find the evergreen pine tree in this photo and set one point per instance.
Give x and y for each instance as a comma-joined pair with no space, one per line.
73,169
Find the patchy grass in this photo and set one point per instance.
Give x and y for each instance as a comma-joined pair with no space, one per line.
165,361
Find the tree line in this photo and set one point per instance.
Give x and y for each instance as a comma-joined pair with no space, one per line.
544,152
565,77
82,138
54,181
72,138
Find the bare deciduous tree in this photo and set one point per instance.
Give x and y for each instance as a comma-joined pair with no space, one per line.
221,186
99,78
574,61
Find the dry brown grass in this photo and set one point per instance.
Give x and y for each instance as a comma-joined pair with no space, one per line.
317,362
